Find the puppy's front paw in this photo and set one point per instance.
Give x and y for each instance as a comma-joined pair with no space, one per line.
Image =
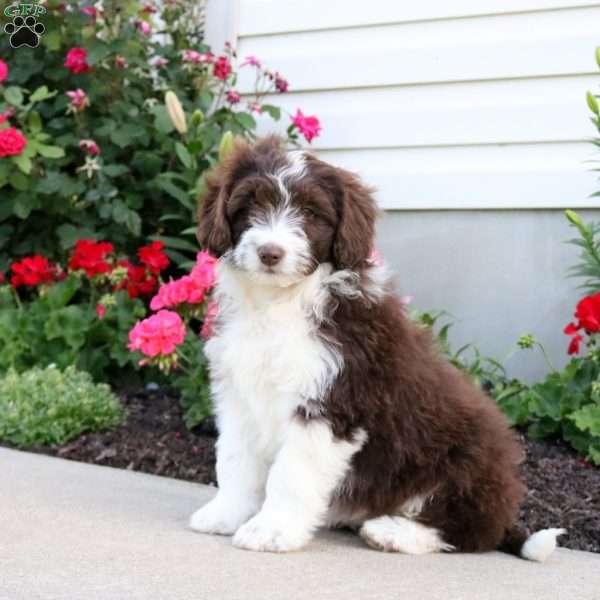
215,518
264,535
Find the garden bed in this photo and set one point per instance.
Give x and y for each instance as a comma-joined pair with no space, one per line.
564,491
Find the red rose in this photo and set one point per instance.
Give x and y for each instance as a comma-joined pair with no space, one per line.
76,61
3,71
588,313
308,126
12,142
32,270
222,68
153,257
90,256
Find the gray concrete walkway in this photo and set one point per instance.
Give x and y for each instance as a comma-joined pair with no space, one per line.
71,531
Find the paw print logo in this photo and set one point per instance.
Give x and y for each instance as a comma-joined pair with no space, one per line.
24,32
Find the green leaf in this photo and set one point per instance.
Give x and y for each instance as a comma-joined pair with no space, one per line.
273,111
246,120
162,121
35,122
175,192
13,95
177,243
587,418
115,170
183,155
19,181
23,162
42,93
50,151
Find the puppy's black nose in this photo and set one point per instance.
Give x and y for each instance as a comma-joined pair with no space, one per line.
270,254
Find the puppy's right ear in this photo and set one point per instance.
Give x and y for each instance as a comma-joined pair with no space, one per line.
214,232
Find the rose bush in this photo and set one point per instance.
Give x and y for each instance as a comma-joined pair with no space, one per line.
108,126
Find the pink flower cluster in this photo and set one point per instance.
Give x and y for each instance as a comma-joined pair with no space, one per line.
190,289
159,335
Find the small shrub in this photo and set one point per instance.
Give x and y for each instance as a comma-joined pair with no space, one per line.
50,406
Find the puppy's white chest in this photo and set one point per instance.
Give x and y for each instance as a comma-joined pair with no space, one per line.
267,363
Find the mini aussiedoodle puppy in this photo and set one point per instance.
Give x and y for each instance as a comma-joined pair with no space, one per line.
333,408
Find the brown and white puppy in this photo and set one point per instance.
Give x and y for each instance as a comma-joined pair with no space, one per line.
334,408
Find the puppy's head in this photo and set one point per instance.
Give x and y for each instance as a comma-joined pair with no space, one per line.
276,215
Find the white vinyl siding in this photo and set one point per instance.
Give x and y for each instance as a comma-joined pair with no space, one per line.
440,105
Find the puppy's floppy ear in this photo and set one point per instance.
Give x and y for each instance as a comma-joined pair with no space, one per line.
357,212
214,231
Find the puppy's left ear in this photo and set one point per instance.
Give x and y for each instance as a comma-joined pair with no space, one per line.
357,212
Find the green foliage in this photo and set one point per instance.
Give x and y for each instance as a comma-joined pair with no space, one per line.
589,257
50,406
564,405
146,168
60,326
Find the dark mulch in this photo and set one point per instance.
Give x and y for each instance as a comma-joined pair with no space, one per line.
564,491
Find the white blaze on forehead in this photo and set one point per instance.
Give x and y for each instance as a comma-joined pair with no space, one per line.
293,171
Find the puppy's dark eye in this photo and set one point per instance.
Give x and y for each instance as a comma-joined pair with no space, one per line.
308,213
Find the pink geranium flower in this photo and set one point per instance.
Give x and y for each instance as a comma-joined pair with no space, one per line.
76,60
3,71
100,311
281,84
204,272
79,100
160,61
157,335
308,126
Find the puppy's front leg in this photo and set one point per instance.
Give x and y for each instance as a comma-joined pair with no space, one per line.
241,475
310,464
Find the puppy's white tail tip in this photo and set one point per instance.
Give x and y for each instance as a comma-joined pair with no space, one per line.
541,544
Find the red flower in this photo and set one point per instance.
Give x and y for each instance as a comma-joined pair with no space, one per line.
308,126
222,68
3,71
90,11
90,256
574,345
12,142
588,313
138,282
154,257
233,97
76,61
100,311
32,270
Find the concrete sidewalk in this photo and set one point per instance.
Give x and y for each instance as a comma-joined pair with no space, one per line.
80,532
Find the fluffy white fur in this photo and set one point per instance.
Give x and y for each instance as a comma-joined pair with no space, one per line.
541,544
266,361
399,534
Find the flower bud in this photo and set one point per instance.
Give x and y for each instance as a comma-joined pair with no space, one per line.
226,145
592,103
573,217
175,111
197,117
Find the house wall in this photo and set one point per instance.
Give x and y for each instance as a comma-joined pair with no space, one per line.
469,118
